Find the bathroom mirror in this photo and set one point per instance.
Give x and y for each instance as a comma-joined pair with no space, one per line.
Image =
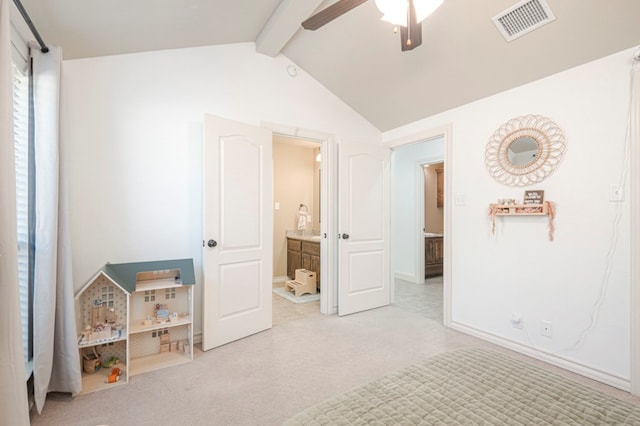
525,150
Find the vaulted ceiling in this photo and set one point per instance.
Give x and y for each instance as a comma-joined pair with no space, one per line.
463,57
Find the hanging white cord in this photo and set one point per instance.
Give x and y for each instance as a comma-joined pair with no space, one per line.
595,311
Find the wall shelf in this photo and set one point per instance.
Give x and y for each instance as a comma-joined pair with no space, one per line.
505,210
520,209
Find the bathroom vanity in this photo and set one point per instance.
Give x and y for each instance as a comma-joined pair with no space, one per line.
433,254
303,251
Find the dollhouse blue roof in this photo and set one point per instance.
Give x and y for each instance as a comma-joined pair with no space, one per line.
125,274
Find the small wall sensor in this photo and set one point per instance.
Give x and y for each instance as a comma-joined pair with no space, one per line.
292,70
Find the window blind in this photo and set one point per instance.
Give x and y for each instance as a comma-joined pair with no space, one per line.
19,50
21,141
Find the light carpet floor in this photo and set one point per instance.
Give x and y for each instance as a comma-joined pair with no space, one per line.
267,378
471,387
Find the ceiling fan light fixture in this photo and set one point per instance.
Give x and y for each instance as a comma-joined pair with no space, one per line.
425,8
395,11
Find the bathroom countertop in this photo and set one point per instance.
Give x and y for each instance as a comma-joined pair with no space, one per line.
432,235
296,236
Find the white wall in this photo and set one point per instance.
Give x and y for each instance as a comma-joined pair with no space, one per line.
406,222
519,269
131,141
293,184
433,215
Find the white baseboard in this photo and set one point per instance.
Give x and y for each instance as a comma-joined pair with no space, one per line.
583,370
197,337
406,277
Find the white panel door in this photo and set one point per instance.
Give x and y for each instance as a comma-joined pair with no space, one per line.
238,231
363,276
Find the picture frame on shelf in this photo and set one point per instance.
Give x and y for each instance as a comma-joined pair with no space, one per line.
535,197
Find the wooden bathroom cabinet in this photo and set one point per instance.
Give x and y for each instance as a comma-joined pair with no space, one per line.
433,256
303,254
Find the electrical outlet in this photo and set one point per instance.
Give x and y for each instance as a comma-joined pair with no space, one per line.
545,328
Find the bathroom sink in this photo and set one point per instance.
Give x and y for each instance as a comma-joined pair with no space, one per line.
297,236
432,235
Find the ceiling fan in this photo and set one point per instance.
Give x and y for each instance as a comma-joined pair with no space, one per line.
407,14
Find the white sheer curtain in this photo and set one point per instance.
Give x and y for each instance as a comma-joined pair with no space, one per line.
14,407
56,363
634,128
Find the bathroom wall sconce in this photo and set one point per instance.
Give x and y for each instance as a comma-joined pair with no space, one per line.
318,157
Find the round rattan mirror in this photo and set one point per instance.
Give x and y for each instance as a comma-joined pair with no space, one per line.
525,150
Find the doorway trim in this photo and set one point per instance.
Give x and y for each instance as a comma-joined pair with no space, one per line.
420,206
444,132
328,209
634,256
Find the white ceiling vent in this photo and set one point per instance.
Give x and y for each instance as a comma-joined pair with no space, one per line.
522,18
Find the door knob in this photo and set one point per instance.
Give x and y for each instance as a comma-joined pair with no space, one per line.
212,243
345,236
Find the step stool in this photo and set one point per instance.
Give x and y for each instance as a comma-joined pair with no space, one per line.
305,282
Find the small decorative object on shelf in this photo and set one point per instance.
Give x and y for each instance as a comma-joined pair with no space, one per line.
110,362
547,208
91,360
162,313
533,197
114,376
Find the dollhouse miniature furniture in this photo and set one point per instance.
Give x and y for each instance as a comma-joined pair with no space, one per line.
135,313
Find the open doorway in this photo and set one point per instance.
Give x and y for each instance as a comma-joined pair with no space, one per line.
432,257
297,190
418,226
433,219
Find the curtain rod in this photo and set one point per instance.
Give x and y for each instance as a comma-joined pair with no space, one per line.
34,31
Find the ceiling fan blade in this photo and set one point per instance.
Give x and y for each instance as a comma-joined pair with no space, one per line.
411,35
330,13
